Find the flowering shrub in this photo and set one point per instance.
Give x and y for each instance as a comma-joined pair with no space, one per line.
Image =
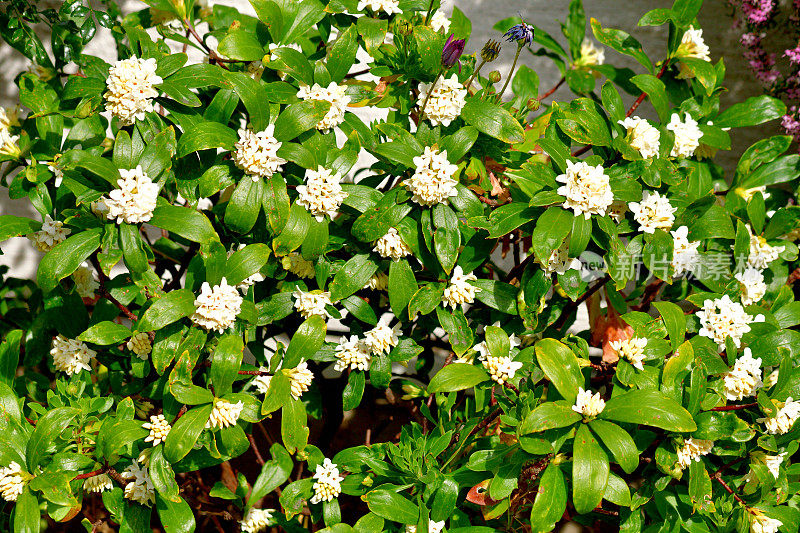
260,308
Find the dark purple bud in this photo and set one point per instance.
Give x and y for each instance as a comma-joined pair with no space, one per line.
452,51
521,33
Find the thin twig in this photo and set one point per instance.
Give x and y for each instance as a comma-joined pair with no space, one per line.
733,407
551,91
254,447
567,311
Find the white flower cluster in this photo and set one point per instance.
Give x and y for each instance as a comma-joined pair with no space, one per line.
687,135
501,369
257,153
685,254
632,350
692,450
445,100
433,527
390,7
263,380
587,404
432,182
440,22
653,212
70,355
772,462
382,338
328,482
299,266
763,524
159,429
12,481
224,414
560,261
8,142
392,245
85,283
379,281
53,232
784,418
591,55
216,308
312,303
722,318
140,487
140,345
642,136
753,286
761,254
336,95
460,290
98,483
131,89
692,45
745,378
586,188
256,520
321,194
134,199
300,379
353,353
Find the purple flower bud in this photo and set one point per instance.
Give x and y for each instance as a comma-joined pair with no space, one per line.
522,33
452,51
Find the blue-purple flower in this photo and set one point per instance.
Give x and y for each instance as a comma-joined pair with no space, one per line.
521,33
452,51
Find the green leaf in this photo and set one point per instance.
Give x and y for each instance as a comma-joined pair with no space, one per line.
753,111
561,367
590,470
26,513
176,517
619,443
493,120
13,226
656,92
186,222
455,377
674,320
551,229
225,363
649,407
163,476
171,307
549,415
685,11
293,232
48,429
105,333
273,474
621,42
342,53
206,136
246,262
9,356
402,286
497,295
245,205
294,425
392,506
306,341
446,237
185,432
550,502
459,334
353,391
66,257
242,45
699,485
278,393
300,117
352,276
133,248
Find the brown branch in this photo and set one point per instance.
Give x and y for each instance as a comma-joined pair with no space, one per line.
107,295
718,477
113,474
87,475
259,458
642,96
568,309
734,407
551,91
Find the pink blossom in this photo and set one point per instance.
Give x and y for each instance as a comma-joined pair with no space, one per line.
793,54
758,11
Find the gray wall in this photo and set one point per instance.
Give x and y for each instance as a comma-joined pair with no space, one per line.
483,13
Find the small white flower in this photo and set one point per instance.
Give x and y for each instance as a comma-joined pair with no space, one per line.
159,429
8,142
433,527
761,254
460,290
52,233
586,188
85,283
587,404
382,338
632,350
745,378
439,22
297,265
140,345
773,464
216,308
140,487
336,95
763,524
591,55
560,261
131,89
312,303
12,481
501,369
98,483
300,379
747,194
617,210
722,318
321,194
432,182
447,99
328,482
100,208
353,353
257,153
753,286
783,420
390,7
653,212
134,199
693,46
685,255
772,379
687,135
379,281
692,450
70,355
257,520
224,414
57,172
392,245
642,136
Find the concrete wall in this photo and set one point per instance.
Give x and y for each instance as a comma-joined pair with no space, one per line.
483,13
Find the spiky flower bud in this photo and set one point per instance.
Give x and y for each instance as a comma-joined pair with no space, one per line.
490,51
452,51
494,76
